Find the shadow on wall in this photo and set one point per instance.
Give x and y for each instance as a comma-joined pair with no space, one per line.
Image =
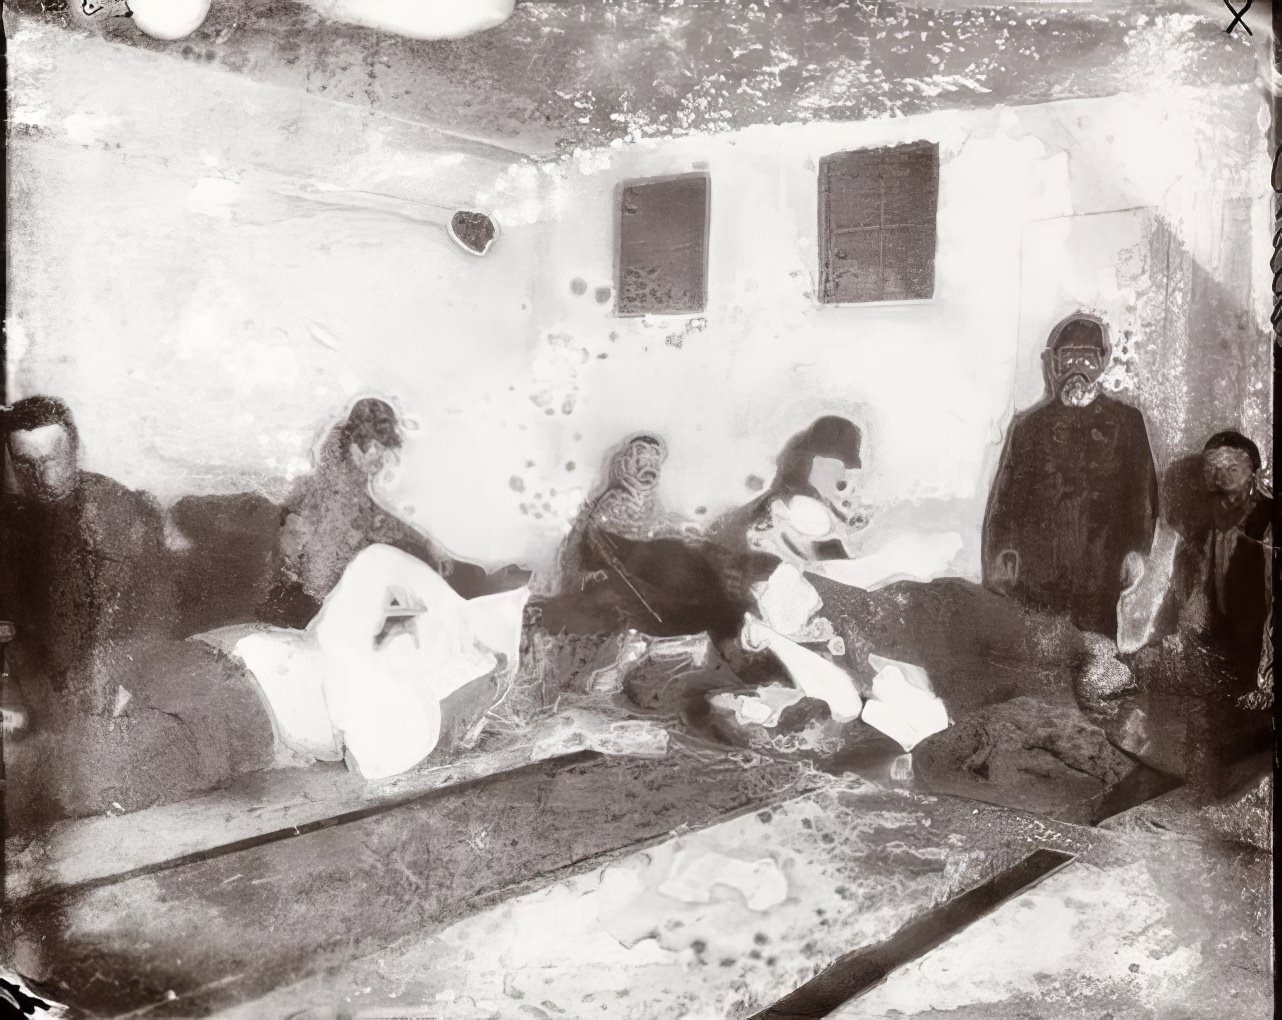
1214,364
1182,495
1211,368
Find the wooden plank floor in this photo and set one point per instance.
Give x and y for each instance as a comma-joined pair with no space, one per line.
721,923
92,849
184,941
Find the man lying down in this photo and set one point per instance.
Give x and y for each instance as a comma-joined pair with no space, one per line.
395,665
107,710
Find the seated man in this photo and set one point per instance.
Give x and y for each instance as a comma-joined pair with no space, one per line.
809,513
627,508
121,712
84,555
332,515
626,564
1196,702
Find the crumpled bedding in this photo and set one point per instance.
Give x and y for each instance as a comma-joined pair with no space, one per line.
394,660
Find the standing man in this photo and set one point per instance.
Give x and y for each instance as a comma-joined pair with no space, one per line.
1075,492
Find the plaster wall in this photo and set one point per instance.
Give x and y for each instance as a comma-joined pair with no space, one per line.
211,269
1106,205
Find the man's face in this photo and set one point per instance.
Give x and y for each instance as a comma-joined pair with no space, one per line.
835,484
44,462
1228,472
1076,371
640,464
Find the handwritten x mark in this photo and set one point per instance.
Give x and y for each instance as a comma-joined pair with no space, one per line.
1237,17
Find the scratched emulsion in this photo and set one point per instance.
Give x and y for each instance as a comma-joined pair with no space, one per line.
721,923
236,236
570,75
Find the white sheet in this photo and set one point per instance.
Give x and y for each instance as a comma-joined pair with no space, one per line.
812,673
391,642
903,704
913,557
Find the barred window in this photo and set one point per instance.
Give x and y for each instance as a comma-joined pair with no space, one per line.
877,223
663,246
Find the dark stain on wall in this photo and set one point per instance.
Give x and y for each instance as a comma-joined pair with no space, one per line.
559,73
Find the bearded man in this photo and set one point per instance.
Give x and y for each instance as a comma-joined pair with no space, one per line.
1075,492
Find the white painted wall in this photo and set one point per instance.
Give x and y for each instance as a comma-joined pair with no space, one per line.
209,270
933,383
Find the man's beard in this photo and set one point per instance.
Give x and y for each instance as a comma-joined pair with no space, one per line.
1078,391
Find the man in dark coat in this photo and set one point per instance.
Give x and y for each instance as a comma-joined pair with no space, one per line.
85,556
1075,492
1198,702
121,713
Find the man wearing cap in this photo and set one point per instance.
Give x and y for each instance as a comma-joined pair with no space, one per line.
1075,492
1238,550
1199,701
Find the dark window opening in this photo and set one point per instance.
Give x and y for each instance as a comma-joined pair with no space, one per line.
877,223
663,246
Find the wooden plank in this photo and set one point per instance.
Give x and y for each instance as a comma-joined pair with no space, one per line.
857,972
97,849
234,927
720,922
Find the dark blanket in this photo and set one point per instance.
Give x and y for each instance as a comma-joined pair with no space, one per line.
978,647
659,586
1025,754
194,721
89,569
229,562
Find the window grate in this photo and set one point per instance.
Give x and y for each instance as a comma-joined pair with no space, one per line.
663,246
877,224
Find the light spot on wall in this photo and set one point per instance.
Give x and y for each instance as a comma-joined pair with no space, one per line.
214,196
418,19
169,19
691,327
82,128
